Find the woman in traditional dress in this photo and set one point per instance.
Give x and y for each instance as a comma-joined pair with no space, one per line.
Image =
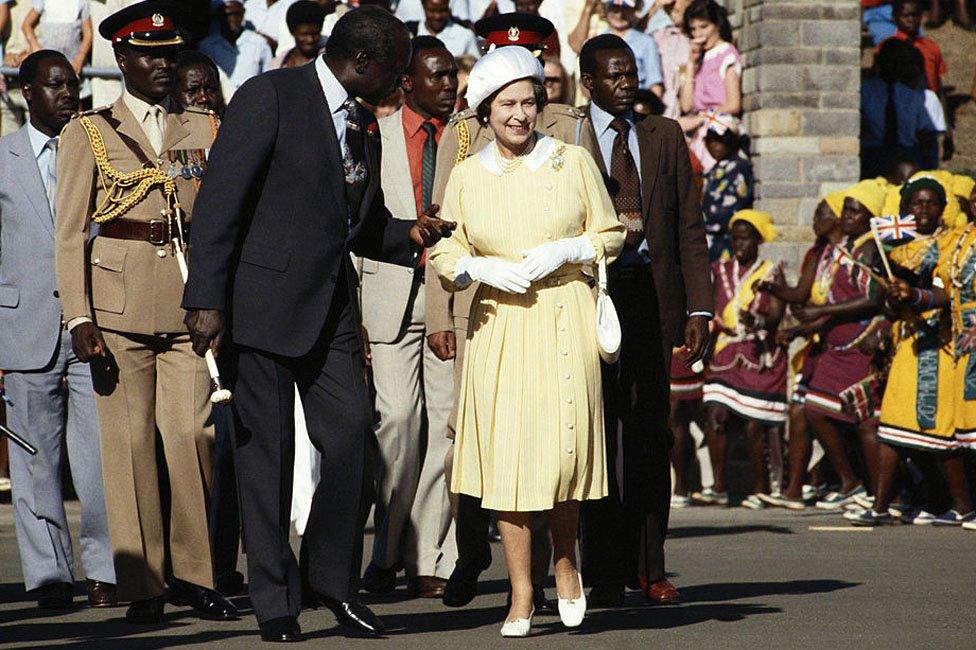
532,212
845,310
917,412
746,376
826,229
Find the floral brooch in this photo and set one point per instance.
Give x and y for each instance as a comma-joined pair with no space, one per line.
558,158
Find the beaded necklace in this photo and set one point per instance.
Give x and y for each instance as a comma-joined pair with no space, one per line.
733,288
956,262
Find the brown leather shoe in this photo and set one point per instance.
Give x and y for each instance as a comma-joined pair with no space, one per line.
426,587
661,592
101,594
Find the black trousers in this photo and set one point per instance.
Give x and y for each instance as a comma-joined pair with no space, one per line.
225,516
331,381
622,535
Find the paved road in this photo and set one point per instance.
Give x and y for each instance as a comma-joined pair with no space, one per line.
749,580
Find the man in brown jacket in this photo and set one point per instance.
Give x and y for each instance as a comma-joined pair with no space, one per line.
662,291
128,167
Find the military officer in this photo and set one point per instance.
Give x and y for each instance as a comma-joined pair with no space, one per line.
447,313
132,169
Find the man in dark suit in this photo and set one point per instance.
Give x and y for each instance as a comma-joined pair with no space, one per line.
661,288
292,187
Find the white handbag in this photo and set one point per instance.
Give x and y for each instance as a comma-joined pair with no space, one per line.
607,324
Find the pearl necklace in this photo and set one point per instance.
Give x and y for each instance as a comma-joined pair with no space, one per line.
509,165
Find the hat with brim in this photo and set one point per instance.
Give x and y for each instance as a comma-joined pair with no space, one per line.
761,221
144,24
497,69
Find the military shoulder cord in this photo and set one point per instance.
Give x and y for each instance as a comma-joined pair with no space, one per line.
464,141
123,191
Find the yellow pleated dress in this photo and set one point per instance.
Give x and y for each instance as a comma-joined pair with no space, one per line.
530,412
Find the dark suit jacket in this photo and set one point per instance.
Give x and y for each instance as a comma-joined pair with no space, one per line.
270,238
673,225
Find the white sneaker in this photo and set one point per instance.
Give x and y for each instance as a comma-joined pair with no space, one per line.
680,501
969,525
753,502
854,513
923,518
572,610
520,627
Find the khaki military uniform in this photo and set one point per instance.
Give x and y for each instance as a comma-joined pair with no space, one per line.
131,288
447,311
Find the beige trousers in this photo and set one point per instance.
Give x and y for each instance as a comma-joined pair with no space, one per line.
414,391
148,383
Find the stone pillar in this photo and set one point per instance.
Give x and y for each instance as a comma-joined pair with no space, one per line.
801,98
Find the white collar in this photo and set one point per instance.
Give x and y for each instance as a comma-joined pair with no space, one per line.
719,48
544,146
335,93
601,119
37,139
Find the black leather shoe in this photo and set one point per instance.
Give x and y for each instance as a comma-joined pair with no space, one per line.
231,584
101,594
377,580
146,612
207,603
462,586
281,630
605,596
55,595
355,616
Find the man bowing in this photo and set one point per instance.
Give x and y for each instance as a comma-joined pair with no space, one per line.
292,187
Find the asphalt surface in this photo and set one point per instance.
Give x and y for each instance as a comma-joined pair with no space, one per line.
748,579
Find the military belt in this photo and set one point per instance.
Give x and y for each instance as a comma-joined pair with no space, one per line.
155,231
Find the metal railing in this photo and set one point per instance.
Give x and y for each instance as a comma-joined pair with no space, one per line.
88,72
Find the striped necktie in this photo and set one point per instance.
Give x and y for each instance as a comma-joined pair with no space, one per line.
429,161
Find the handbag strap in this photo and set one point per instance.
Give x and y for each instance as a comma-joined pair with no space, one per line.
601,277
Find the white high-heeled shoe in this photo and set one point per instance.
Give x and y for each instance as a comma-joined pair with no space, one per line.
572,610
519,627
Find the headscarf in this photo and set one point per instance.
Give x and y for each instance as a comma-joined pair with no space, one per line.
835,200
497,69
870,193
922,182
953,215
962,185
761,221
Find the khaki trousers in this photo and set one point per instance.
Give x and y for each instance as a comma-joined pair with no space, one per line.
145,383
414,392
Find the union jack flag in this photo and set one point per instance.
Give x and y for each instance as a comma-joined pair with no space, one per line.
895,227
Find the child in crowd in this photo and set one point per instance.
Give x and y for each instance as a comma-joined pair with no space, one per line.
728,184
745,381
621,18
714,77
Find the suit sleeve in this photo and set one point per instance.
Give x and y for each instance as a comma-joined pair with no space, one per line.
238,158
384,237
439,308
76,185
692,250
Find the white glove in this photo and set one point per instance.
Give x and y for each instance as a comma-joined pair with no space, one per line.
546,258
498,273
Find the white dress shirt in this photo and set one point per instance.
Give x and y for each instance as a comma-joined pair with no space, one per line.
145,114
45,157
335,97
458,40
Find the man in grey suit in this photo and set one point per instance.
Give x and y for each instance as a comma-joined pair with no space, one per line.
37,358
413,387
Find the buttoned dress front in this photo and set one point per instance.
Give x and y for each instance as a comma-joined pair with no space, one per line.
530,412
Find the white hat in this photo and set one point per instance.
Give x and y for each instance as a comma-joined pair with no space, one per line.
498,68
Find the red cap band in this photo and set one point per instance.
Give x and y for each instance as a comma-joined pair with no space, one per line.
154,23
514,36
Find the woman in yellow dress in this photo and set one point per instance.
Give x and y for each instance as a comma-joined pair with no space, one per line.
532,213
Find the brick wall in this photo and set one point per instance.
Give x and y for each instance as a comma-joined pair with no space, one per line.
801,97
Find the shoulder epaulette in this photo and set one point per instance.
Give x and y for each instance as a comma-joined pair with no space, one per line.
93,111
566,109
461,116
200,110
